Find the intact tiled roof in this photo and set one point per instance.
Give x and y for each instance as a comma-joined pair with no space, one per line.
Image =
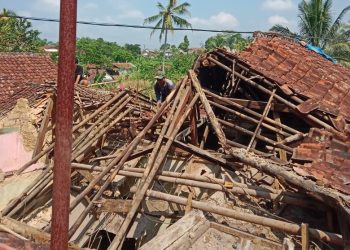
329,159
298,70
123,65
19,69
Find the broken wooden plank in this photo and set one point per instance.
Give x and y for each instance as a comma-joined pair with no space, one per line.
212,118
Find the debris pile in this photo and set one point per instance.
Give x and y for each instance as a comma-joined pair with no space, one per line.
235,157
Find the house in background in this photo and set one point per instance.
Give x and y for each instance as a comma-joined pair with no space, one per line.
21,75
122,68
50,48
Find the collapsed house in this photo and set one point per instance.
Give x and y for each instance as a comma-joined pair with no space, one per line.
250,151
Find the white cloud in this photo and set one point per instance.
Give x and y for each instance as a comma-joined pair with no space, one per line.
132,14
278,4
276,19
222,20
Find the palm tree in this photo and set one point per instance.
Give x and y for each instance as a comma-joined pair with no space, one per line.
315,21
339,47
167,18
318,28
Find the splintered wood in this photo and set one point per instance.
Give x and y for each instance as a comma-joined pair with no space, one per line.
223,143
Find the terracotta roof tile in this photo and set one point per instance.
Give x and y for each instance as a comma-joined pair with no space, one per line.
330,158
307,73
19,69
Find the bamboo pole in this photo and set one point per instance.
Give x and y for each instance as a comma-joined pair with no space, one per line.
260,137
43,128
249,118
75,128
36,182
119,160
119,238
329,196
105,126
287,227
265,113
282,153
215,184
102,118
266,91
205,136
251,112
212,118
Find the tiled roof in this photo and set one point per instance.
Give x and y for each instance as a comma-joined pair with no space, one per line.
329,159
297,70
18,69
123,65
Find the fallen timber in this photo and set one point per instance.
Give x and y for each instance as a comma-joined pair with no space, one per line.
182,153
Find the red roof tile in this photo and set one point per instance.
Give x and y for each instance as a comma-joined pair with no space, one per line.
330,159
305,72
17,70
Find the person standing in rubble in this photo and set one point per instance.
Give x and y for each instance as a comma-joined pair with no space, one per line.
162,88
79,74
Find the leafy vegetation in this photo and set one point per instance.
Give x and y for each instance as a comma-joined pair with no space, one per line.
17,34
102,53
167,18
318,28
184,46
232,41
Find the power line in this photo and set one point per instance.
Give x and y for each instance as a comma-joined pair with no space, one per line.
133,26
155,28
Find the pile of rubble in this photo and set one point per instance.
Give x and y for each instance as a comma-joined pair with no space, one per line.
250,151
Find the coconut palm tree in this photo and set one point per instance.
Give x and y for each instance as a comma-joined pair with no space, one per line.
167,18
316,24
315,21
318,28
339,47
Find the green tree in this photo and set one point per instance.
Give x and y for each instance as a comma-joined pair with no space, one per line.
165,47
167,18
232,41
100,52
319,28
339,47
133,48
17,34
185,44
315,21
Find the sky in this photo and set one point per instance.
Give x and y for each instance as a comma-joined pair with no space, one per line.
238,15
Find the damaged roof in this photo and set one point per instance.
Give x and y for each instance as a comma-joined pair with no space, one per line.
20,74
329,159
297,70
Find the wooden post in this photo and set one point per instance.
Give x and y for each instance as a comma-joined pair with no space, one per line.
43,128
305,237
282,153
119,238
265,113
282,100
212,118
205,136
283,226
